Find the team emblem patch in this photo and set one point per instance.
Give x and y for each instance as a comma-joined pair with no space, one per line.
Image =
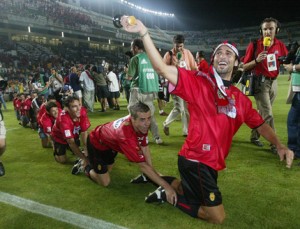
212,196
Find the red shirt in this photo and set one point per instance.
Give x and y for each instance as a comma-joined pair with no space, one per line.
278,48
203,66
120,136
17,103
42,111
66,128
47,122
210,133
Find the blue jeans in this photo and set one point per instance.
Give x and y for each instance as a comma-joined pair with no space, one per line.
3,101
293,125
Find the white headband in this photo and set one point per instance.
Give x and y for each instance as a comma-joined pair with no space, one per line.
228,45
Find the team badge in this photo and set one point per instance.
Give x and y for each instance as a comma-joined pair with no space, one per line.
212,196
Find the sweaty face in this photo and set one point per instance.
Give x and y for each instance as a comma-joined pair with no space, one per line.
54,112
74,109
269,29
142,122
224,61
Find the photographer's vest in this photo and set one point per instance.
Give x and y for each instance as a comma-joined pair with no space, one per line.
147,80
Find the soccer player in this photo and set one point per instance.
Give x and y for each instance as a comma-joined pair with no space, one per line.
217,110
69,125
127,135
47,121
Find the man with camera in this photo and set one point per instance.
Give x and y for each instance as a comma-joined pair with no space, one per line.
294,114
263,61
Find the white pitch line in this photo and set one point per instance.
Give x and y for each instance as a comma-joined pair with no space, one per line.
9,129
59,214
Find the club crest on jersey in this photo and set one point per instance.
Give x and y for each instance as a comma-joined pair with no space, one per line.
212,196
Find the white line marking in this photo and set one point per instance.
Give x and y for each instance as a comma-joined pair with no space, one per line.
59,214
9,129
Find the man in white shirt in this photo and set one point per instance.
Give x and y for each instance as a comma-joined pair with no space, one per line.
88,87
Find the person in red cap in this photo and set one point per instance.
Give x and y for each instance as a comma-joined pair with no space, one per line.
217,110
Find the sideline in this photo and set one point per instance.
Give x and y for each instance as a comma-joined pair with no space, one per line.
59,214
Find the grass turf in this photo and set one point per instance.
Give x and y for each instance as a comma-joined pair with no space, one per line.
258,191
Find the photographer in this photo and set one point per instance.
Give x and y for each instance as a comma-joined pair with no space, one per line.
265,65
294,113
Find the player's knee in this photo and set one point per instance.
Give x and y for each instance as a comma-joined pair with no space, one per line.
217,219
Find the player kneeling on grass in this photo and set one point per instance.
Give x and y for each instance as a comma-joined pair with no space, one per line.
46,123
217,110
127,135
69,125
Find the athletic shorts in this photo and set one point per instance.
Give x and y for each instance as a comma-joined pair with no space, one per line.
99,160
199,183
2,130
102,92
161,95
115,94
61,149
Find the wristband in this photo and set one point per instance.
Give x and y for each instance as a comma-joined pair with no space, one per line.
294,68
145,34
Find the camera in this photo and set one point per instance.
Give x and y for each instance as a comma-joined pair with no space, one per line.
291,56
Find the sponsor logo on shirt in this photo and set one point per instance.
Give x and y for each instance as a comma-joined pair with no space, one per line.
206,147
67,133
144,61
117,123
76,130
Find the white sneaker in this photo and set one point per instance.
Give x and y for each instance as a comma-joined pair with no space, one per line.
158,140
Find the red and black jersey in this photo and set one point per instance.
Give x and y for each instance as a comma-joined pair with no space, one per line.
211,132
17,103
66,128
120,136
47,121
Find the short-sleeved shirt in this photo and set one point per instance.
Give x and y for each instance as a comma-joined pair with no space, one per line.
47,122
278,48
120,136
211,132
187,56
17,103
25,106
65,128
42,111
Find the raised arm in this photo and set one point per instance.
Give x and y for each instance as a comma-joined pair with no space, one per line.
166,71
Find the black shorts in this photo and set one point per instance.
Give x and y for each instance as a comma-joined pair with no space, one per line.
161,95
102,92
199,183
99,160
61,149
115,94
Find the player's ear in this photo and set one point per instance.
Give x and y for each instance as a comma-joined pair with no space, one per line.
236,63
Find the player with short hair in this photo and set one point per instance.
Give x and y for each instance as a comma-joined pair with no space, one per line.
69,125
129,136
